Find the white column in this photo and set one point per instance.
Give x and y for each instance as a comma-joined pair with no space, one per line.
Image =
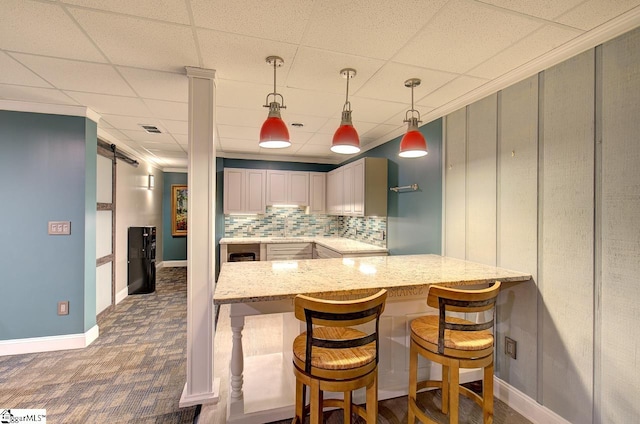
201,387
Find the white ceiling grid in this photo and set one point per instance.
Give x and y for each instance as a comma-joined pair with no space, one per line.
125,60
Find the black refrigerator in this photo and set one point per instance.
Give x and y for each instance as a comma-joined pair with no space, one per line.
141,262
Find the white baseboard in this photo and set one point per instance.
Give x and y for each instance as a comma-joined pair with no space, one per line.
49,343
187,400
167,264
524,405
122,294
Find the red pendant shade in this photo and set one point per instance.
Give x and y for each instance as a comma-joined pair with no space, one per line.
413,144
274,133
346,140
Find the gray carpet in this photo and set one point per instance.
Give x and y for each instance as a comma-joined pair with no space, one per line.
134,372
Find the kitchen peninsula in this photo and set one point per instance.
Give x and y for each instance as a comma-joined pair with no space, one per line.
262,386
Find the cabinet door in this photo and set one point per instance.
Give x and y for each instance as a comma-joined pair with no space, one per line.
255,191
298,188
317,192
277,188
357,188
234,194
334,191
347,190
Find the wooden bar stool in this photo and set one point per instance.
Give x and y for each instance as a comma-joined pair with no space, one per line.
331,356
454,343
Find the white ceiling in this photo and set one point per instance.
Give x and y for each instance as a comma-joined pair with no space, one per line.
125,60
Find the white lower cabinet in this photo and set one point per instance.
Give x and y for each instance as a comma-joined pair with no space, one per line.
289,251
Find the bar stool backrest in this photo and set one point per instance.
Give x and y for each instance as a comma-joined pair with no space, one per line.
447,299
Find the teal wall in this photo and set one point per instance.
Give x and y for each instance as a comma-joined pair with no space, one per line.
280,166
414,221
173,248
48,173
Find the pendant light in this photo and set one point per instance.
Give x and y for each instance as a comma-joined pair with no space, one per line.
413,144
345,139
274,133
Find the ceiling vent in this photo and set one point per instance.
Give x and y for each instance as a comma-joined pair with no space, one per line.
151,129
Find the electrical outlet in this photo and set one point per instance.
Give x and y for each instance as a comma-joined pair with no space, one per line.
510,347
58,228
63,307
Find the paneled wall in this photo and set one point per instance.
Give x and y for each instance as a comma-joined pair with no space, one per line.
543,177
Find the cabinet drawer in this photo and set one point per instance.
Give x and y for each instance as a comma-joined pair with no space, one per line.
288,251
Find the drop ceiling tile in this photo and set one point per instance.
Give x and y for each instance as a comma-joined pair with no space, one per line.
388,83
176,127
366,28
139,42
242,94
143,136
545,39
592,13
123,122
298,136
474,31
164,10
235,145
157,85
376,111
281,20
241,117
114,105
72,75
182,139
241,58
243,133
313,68
380,131
315,103
35,94
18,34
546,9
315,150
162,147
168,110
115,134
321,140
311,123
13,72
450,91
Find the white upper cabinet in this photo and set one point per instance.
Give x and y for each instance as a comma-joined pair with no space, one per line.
317,192
335,182
244,191
358,189
287,188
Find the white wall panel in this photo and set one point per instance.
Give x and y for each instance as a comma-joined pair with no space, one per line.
566,269
103,287
620,341
518,231
103,233
481,180
454,184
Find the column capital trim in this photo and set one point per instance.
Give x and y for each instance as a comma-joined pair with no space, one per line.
193,72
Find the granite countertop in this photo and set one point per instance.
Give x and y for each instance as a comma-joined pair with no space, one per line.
243,282
339,244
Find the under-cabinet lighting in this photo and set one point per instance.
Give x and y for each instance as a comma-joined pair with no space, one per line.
284,206
242,214
348,261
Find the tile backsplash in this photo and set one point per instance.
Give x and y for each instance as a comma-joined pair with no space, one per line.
294,222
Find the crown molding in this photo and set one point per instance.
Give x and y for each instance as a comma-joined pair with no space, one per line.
50,109
278,158
200,72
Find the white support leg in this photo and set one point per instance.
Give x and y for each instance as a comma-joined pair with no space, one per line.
237,357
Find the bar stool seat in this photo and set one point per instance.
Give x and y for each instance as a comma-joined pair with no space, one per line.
332,356
454,343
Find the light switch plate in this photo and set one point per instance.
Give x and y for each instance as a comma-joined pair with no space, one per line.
63,307
59,228
510,347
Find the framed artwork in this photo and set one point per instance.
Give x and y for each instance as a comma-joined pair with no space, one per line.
179,195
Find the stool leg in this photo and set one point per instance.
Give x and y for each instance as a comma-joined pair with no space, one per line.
413,382
454,392
316,402
372,400
445,389
487,395
300,399
347,408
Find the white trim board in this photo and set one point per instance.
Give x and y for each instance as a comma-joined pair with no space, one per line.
169,264
49,343
524,405
68,110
